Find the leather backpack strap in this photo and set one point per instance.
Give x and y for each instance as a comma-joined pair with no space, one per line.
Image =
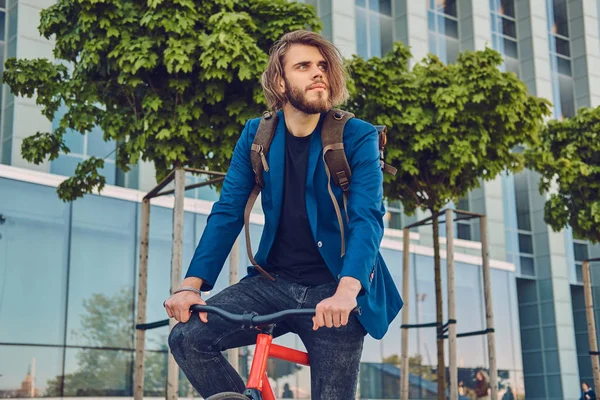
258,150
382,131
336,164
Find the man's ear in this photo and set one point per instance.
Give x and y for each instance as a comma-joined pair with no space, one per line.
282,85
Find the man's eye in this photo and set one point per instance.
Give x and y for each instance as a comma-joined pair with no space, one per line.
323,68
302,67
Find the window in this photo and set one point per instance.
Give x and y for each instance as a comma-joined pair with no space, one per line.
463,228
524,225
393,217
581,253
560,59
443,29
504,32
374,28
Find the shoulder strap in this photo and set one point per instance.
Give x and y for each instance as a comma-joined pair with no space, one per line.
382,131
258,150
336,164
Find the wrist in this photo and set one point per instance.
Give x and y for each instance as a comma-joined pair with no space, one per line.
349,286
192,282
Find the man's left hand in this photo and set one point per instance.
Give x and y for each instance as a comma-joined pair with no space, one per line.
335,310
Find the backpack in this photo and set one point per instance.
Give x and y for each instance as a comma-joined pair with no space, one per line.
334,157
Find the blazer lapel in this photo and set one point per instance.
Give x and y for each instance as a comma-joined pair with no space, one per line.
276,159
313,160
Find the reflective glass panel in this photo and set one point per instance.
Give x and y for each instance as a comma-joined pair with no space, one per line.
508,7
33,264
525,243
510,48
159,267
567,97
98,373
581,251
361,34
374,35
102,274
30,371
527,266
562,47
65,165
505,323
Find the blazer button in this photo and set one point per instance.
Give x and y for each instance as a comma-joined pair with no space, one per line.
320,244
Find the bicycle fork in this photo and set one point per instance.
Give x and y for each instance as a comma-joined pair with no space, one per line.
258,387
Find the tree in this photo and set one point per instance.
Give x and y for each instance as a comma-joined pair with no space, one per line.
169,81
449,127
568,158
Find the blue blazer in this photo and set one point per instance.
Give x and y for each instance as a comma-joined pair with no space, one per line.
379,300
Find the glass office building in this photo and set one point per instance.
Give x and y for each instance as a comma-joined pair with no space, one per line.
68,271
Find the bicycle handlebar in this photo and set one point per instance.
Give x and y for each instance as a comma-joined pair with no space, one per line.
247,319
253,319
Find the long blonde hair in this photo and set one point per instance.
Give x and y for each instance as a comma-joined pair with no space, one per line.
274,72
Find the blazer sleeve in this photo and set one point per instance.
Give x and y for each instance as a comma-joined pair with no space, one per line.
365,207
226,218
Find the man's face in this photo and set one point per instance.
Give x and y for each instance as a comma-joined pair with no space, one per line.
305,82
584,387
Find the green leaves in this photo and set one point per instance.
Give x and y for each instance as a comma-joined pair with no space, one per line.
86,178
449,126
171,81
38,147
568,159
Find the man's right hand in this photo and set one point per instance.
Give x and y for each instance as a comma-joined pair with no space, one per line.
178,305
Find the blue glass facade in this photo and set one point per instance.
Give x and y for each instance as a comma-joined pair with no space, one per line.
68,274
442,20
560,59
374,31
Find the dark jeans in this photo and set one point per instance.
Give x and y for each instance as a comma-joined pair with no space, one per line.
334,352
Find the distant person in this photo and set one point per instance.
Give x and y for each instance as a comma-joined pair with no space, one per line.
287,393
588,393
508,395
482,385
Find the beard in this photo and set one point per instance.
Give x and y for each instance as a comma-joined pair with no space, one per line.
297,98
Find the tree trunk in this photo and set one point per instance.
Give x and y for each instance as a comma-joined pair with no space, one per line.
176,256
453,371
140,335
441,367
405,313
489,309
591,322
233,355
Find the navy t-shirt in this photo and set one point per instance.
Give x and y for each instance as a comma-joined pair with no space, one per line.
294,255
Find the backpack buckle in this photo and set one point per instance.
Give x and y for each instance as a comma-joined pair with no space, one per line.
268,114
343,180
338,115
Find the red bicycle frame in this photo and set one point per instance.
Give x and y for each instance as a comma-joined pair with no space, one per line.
265,348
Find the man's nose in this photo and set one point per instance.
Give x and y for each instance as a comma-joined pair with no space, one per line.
318,73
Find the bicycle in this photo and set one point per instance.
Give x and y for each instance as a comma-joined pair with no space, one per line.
258,386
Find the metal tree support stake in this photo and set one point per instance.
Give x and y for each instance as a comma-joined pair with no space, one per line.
177,174
233,355
405,312
451,305
176,255
591,322
140,335
489,311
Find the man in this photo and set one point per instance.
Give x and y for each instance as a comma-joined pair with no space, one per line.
300,245
588,393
